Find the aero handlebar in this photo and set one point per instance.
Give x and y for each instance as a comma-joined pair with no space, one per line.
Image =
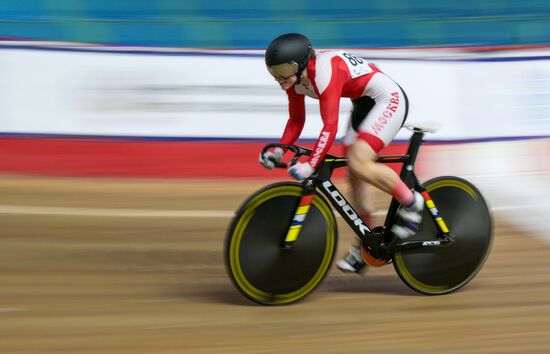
297,150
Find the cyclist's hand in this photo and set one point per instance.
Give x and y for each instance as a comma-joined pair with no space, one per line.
301,170
269,158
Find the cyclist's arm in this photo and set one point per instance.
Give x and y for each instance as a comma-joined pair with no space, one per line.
329,113
297,117
329,102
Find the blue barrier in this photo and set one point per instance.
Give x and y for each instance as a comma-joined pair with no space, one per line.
252,24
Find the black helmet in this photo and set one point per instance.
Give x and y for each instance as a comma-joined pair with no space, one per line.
288,55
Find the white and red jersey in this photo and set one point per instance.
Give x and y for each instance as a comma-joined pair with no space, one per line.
332,75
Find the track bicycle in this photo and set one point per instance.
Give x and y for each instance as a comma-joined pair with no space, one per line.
282,240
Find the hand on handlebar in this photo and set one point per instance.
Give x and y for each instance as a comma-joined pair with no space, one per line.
269,158
301,170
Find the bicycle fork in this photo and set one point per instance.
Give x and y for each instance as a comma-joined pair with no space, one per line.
298,219
300,214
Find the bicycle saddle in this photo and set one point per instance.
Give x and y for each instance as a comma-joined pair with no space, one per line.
429,126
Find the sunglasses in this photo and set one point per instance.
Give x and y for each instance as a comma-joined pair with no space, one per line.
283,71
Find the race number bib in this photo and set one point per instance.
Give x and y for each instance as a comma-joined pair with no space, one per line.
357,66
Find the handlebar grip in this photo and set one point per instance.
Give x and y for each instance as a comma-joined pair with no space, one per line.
277,164
280,165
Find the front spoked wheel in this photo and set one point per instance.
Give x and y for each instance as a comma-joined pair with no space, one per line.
258,263
441,270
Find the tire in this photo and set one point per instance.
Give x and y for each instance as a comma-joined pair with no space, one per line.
441,270
260,268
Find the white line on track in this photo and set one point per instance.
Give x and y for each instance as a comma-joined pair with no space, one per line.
519,213
9,309
70,211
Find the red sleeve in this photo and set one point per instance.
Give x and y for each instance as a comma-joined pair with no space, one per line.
297,117
329,102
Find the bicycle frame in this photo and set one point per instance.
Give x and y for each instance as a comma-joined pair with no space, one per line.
380,242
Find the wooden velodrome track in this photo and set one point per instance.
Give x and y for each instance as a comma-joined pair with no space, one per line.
77,276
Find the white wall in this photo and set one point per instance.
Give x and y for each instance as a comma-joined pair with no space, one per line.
226,96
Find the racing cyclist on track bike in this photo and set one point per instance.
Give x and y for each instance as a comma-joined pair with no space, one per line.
380,108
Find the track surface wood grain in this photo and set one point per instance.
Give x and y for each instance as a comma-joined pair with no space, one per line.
108,284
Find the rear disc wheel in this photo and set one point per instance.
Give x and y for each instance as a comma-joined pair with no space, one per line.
441,270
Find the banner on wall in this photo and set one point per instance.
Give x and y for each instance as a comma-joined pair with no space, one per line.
200,95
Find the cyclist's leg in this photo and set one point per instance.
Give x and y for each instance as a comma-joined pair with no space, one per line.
377,130
362,197
361,192
362,161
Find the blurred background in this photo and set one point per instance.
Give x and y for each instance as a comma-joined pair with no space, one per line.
159,95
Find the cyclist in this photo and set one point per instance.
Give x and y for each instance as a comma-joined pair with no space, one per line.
379,109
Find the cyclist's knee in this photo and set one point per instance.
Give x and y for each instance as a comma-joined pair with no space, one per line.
361,157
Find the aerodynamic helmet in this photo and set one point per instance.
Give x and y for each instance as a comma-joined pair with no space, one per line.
287,55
